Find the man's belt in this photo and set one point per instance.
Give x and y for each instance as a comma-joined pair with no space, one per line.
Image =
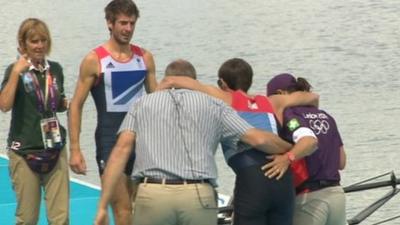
316,185
150,180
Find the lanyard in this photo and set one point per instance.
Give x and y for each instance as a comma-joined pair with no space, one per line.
49,89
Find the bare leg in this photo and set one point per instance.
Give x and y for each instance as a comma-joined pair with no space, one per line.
121,202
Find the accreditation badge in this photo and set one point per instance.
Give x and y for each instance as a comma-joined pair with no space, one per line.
51,134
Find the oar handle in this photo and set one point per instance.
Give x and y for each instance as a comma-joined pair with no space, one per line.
362,187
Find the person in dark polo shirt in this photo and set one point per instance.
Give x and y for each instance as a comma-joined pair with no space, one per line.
33,88
320,198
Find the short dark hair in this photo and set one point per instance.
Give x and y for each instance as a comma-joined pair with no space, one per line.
116,7
180,67
237,74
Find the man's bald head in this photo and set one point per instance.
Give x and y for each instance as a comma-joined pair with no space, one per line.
180,67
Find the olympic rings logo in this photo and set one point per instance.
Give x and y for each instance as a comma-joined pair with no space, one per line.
319,126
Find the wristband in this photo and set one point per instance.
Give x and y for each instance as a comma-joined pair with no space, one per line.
291,156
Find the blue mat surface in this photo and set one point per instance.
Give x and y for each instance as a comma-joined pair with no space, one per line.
83,201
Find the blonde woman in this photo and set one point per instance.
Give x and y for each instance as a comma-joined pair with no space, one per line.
33,89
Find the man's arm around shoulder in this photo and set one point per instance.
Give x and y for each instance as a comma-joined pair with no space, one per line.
171,81
265,141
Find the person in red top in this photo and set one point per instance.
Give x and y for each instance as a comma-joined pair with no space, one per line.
257,200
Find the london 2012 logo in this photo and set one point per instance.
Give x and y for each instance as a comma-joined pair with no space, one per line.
319,126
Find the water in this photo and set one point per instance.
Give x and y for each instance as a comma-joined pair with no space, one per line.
348,49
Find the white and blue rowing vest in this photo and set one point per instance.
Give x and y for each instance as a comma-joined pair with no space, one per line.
122,82
118,86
